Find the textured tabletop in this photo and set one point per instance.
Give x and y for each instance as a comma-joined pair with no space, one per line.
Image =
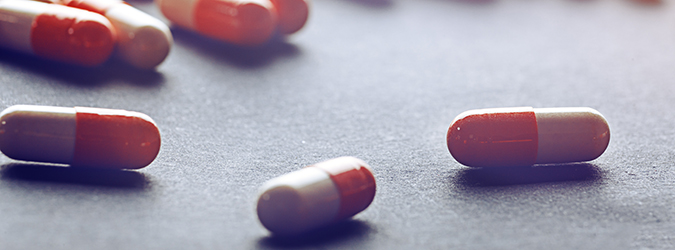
381,81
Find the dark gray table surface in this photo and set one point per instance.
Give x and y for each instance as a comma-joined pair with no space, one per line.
381,81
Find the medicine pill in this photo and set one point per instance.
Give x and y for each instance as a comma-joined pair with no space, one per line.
242,22
80,136
56,32
526,136
143,41
316,196
292,14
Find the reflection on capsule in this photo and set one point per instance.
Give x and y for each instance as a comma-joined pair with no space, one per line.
143,41
316,196
526,136
81,137
56,32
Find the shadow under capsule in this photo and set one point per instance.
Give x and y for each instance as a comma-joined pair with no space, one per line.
373,3
505,176
344,232
74,175
240,56
110,71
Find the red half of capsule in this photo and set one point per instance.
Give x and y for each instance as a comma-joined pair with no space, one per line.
356,185
243,23
114,141
495,139
79,40
292,14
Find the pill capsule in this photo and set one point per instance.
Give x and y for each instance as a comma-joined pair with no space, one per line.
242,22
526,136
316,196
292,14
80,136
56,32
143,41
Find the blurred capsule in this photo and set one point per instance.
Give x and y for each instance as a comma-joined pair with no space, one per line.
242,22
56,32
143,41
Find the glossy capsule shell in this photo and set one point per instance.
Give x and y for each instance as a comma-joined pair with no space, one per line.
316,196
525,136
292,14
143,41
241,22
56,32
80,136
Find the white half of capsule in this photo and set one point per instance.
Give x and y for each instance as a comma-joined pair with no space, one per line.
16,20
143,41
53,133
180,12
570,134
304,199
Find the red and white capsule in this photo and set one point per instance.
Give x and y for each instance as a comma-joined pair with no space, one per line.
316,196
56,32
143,41
242,22
526,136
80,136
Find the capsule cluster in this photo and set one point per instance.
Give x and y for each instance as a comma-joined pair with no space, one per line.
317,195
84,32
87,32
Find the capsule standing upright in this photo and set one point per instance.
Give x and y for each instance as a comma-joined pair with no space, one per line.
56,32
143,41
80,136
526,136
316,196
